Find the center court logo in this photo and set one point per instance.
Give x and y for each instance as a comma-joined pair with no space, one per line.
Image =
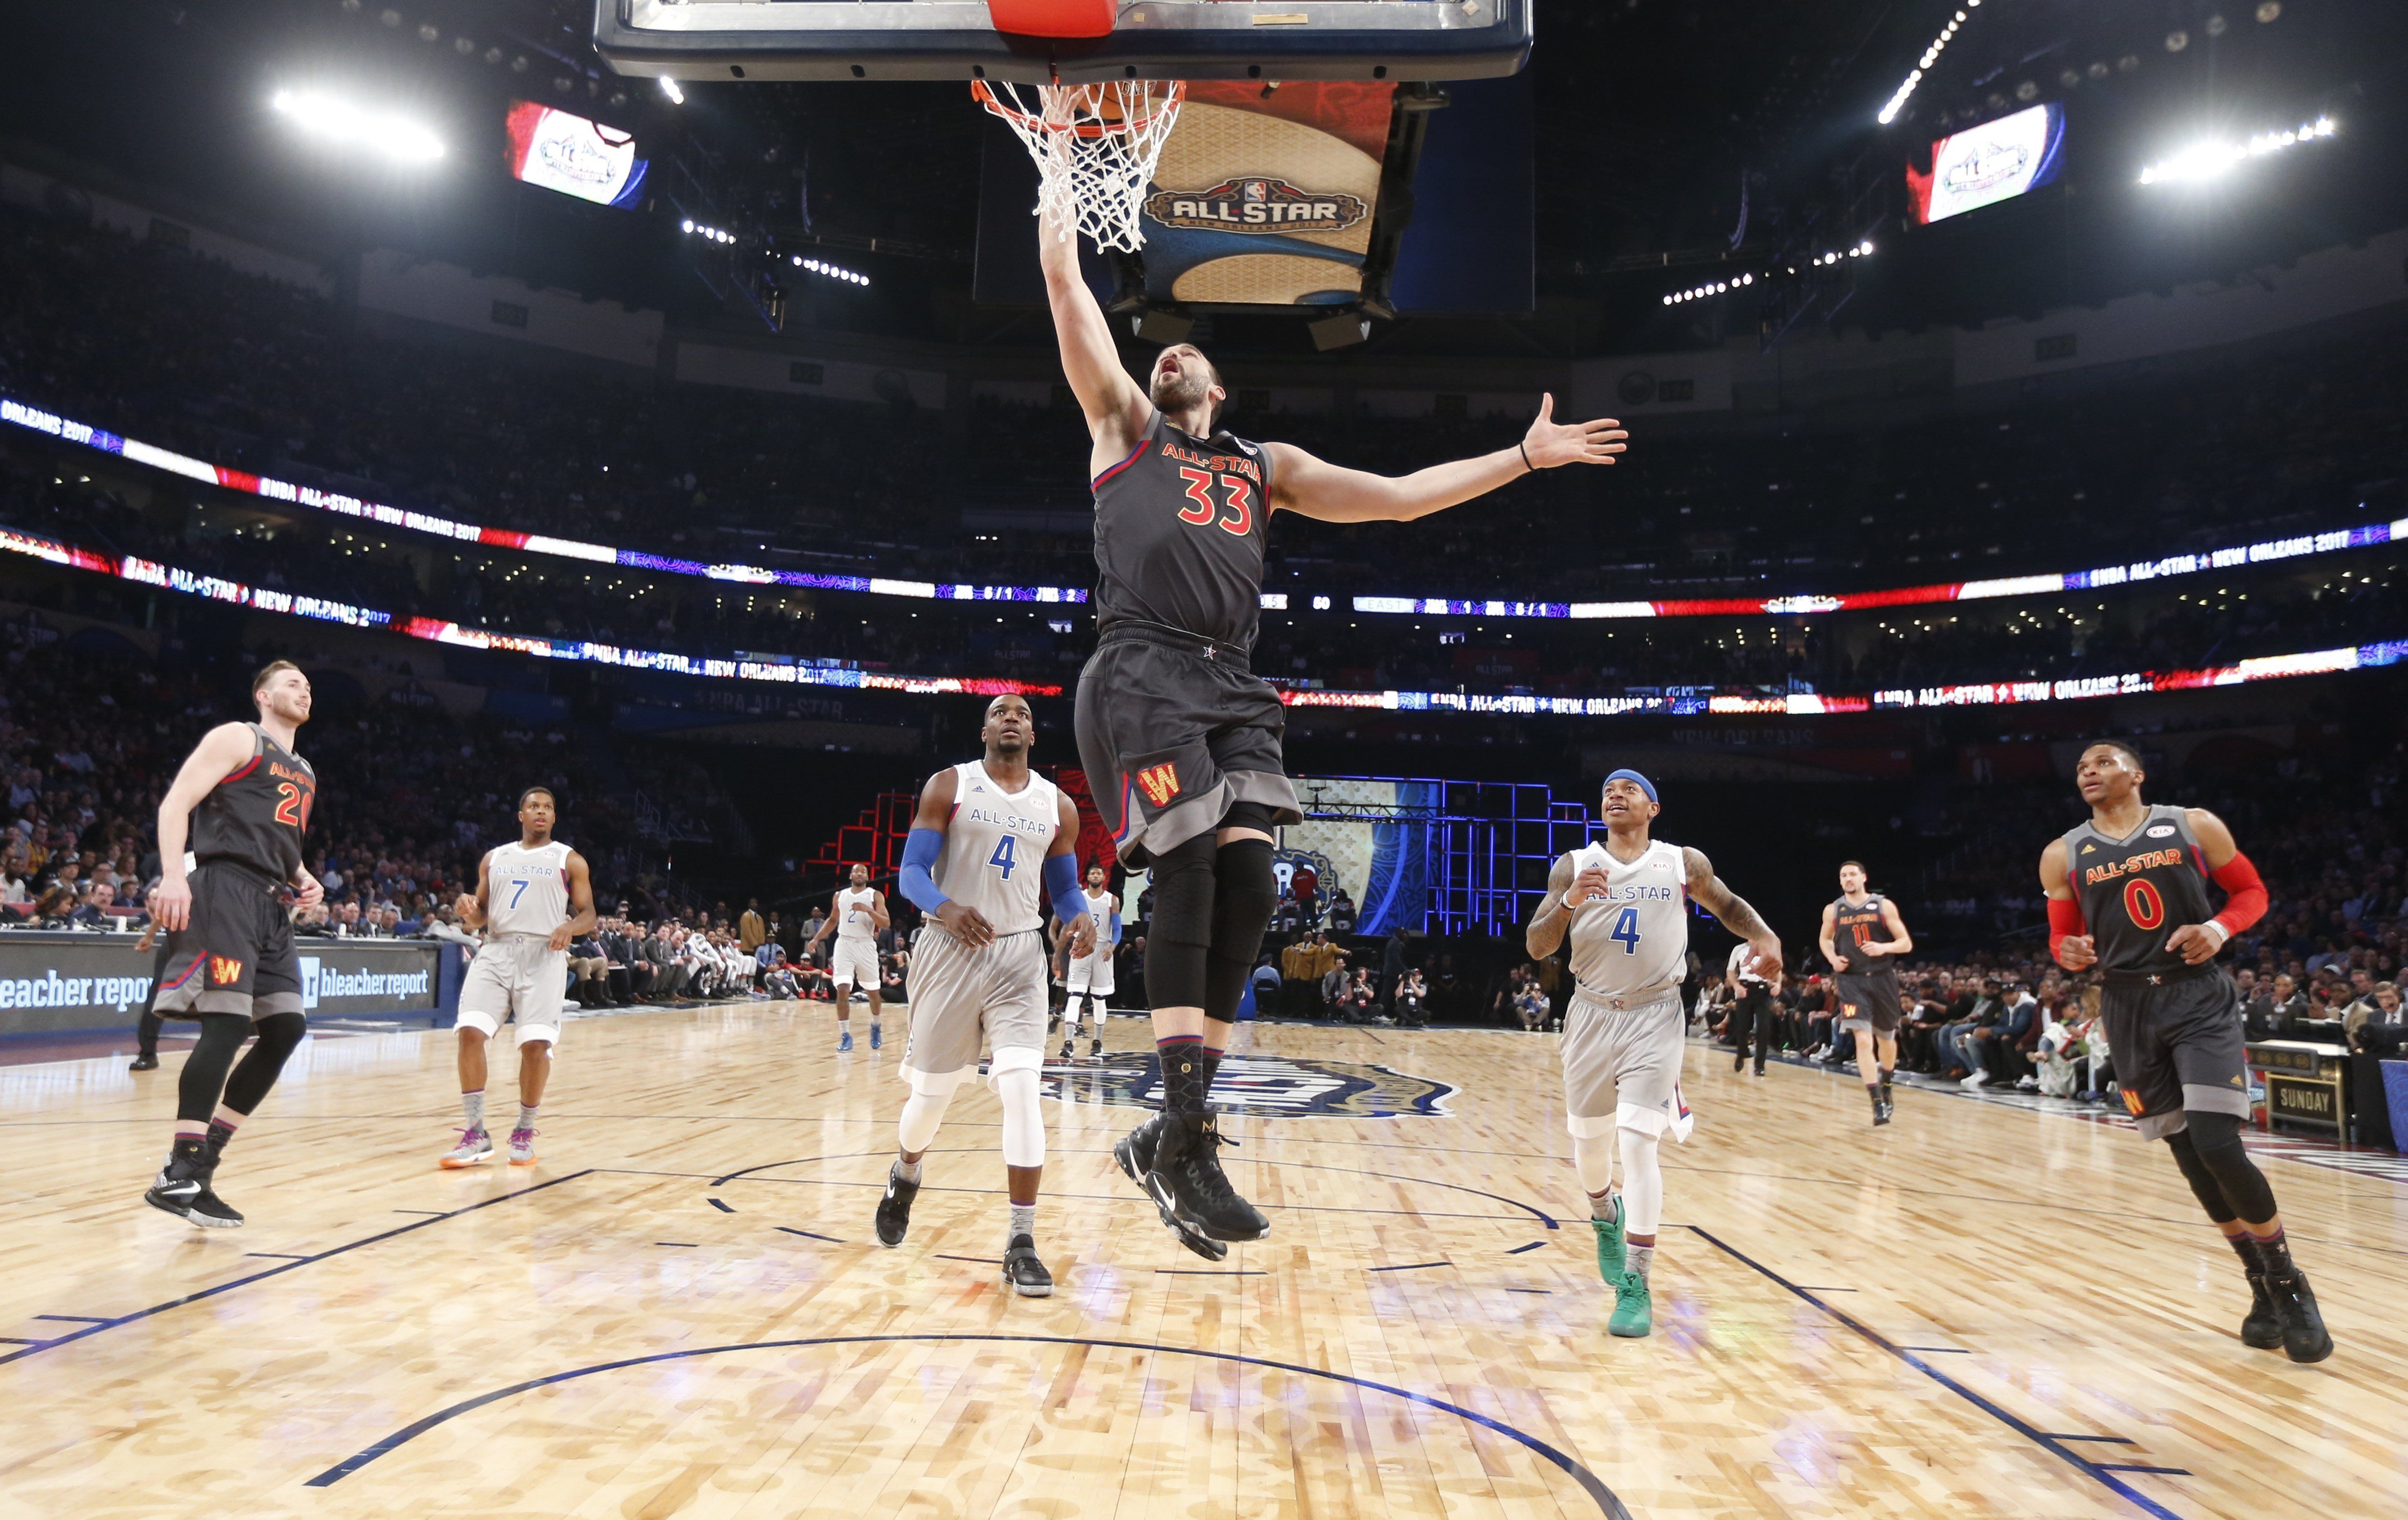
1268,1087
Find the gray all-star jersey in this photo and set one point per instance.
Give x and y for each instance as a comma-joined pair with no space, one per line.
1179,529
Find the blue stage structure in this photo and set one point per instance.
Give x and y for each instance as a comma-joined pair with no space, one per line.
1445,858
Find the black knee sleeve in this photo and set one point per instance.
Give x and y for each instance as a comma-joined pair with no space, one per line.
206,1068
2215,1139
1244,894
1181,931
280,1035
2202,1182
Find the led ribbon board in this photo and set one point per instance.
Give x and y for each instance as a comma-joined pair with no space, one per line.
795,671
2235,556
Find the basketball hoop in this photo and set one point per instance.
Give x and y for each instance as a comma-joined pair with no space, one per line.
1094,145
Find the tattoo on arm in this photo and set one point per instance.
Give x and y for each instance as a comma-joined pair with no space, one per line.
1729,906
1547,925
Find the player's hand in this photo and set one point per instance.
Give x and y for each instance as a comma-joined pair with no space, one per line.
1550,443
171,902
2195,943
1766,961
966,924
1080,940
1586,887
2077,952
466,906
1838,963
308,892
1873,948
559,941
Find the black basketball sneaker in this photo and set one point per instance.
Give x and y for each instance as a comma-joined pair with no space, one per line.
895,1210
183,1187
1023,1272
1135,1152
1187,1182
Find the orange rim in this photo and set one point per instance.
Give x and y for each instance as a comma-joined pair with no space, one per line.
1090,130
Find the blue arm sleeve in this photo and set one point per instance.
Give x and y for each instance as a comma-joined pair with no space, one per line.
1116,929
1062,887
920,851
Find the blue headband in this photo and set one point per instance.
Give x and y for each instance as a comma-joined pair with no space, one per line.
1637,780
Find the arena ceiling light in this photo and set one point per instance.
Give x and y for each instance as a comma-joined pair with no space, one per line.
2211,160
386,133
1711,286
670,88
1923,66
829,271
697,229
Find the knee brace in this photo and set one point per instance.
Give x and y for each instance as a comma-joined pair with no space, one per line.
1642,1181
2216,1140
205,1071
1180,935
1243,895
279,1036
1024,1116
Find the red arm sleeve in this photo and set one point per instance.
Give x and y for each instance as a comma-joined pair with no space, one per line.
2238,878
2064,918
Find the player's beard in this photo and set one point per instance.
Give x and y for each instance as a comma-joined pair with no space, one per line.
1180,394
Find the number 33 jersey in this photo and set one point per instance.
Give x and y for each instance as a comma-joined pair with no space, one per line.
1635,941
994,847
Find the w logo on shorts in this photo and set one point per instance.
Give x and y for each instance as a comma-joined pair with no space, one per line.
2135,1102
1159,783
1847,1010
225,971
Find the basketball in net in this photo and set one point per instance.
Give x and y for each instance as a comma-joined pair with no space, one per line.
1094,145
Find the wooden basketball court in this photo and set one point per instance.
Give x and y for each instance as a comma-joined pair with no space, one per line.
681,1311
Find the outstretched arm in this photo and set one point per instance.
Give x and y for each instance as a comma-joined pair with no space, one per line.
1315,488
1116,409
1734,914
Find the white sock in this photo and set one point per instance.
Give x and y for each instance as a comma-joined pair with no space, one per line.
473,1105
1023,1221
526,1115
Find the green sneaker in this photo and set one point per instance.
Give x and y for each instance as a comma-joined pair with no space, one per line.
1609,1242
1634,1311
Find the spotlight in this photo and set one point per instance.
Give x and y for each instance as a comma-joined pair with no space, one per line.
396,138
2210,160
670,88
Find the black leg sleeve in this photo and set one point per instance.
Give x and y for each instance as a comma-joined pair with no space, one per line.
1180,937
2215,1138
1243,895
205,1070
280,1035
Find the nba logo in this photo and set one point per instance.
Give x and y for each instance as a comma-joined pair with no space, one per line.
1257,191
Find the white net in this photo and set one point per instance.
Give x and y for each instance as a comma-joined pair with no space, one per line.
1095,147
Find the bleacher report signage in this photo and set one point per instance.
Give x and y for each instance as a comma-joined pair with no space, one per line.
55,981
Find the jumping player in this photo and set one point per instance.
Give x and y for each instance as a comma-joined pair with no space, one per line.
857,914
2127,894
989,835
1091,975
1180,742
1862,938
1625,903
531,899
241,803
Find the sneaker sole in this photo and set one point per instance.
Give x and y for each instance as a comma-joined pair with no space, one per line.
452,1163
189,1215
1125,1153
523,1161
1031,1290
1639,1334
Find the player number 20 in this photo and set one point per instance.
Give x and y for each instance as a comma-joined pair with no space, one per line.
1236,492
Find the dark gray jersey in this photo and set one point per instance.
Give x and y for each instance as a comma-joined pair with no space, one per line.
1180,531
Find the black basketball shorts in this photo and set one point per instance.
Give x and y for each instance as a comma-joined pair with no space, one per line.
2177,1045
1868,1002
236,954
1171,732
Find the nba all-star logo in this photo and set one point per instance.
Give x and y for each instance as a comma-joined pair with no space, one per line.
1257,203
1265,1086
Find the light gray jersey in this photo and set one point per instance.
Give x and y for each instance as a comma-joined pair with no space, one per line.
994,858
1634,942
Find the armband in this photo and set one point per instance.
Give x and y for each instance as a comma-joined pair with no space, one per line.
1062,887
2247,893
2064,919
921,848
